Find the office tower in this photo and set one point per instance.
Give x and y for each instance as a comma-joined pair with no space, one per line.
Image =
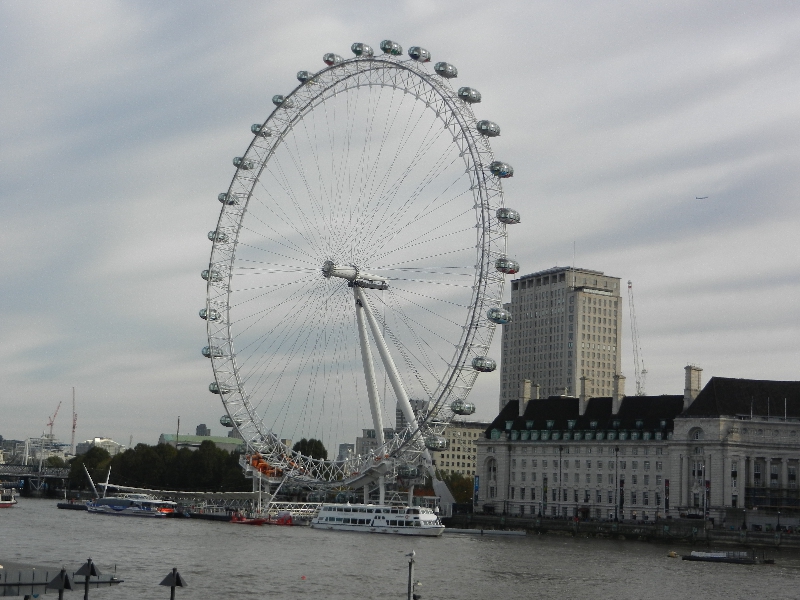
567,324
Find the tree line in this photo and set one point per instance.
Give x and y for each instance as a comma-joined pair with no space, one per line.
207,469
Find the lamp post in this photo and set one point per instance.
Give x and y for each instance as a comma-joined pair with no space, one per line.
616,483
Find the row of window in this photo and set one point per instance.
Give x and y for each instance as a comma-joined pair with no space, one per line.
578,449
559,495
565,463
576,478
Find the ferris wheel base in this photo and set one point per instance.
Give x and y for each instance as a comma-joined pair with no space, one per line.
368,476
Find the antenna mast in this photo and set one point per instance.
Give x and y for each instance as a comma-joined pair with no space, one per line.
74,423
638,362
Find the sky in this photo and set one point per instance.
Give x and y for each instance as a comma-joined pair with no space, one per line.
118,122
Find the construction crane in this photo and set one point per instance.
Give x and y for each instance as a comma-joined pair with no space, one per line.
638,361
52,419
74,423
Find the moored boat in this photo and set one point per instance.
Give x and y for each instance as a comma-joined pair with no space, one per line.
373,518
132,505
244,520
8,497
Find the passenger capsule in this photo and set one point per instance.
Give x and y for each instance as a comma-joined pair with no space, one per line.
436,442
419,54
211,351
508,216
360,49
226,421
469,95
218,236
501,169
446,70
331,59
488,128
260,130
460,407
211,275
407,470
245,164
390,47
499,315
484,364
228,199
219,389
209,314
507,266
282,101
304,76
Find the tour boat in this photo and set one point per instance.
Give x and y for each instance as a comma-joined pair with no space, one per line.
374,518
132,505
7,497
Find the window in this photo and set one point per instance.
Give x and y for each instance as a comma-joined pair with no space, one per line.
588,478
647,465
633,479
633,497
658,479
588,464
646,498
658,465
611,497
522,493
622,465
522,476
634,464
577,464
598,497
647,479
735,501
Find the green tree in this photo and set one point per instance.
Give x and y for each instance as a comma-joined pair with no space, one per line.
313,448
461,486
96,461
56,462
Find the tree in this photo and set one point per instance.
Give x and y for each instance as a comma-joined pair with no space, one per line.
313,448
96,461
56,462
461,486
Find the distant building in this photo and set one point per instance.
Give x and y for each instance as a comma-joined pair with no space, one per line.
193,441
107,444
345,451
462,452
234,433
369,441
567,324
420,408
202,430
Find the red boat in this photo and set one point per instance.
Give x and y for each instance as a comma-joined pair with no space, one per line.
7,498
242,520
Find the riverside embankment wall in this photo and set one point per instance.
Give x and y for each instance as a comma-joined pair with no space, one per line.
685,531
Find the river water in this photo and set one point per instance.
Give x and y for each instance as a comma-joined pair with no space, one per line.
222,560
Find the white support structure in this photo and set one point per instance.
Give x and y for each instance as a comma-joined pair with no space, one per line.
388,363
372,387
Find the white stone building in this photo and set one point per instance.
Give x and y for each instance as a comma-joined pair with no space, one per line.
713,452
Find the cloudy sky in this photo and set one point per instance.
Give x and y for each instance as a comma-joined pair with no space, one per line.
118,122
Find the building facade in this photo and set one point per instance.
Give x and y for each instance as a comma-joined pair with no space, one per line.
462,451
728,451
112,447
567,324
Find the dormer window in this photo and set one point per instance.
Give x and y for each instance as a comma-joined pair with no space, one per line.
639,423
615,423
593,424
550,424
571,424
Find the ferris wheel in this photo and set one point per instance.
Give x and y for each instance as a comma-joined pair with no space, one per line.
357,267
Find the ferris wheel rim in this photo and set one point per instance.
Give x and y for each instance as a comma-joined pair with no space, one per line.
457,368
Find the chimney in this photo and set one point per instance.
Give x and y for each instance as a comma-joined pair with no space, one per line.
583,401
524,396
692,385
617,393
536,388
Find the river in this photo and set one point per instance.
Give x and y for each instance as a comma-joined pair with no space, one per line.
221,560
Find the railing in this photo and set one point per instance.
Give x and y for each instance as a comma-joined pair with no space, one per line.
31,470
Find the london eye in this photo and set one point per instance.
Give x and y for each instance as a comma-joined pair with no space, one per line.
357,267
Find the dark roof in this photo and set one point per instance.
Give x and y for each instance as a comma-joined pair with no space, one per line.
724,396
649,409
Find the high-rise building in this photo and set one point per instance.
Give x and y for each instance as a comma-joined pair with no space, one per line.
202,430
566,325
